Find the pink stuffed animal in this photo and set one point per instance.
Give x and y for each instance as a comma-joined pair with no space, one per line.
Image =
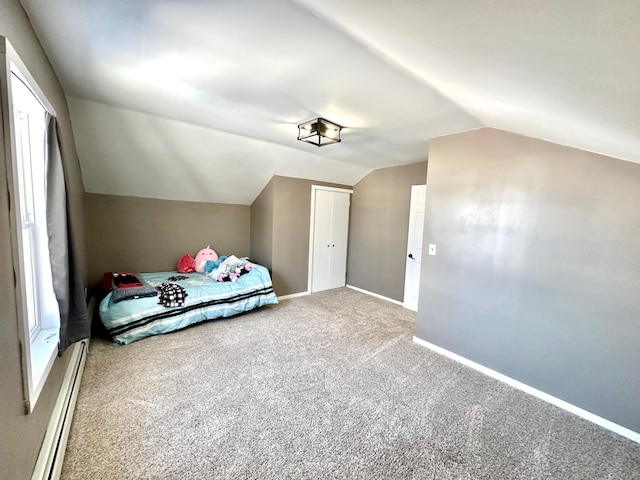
203,256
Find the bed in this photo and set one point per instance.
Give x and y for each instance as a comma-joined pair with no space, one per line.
206,299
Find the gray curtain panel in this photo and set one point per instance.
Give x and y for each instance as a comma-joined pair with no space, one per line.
67,278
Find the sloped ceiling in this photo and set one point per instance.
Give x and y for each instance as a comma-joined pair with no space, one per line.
200,100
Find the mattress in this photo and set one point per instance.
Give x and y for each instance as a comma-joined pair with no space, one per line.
207,299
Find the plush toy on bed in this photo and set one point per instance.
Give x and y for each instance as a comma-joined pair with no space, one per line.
186,264
213,264
203,256
228,270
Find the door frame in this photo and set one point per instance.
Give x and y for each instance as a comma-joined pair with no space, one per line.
312,219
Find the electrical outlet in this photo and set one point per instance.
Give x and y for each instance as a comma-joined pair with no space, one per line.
432,249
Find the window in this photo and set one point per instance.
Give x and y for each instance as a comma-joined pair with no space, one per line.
39,313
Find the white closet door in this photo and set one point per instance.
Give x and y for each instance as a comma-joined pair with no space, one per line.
322,241
330,234
339,236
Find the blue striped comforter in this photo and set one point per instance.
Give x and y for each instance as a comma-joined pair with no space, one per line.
207,299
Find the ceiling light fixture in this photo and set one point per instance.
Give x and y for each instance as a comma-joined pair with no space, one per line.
319,131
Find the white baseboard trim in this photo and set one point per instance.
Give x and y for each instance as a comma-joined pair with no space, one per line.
293,295
376,295
49,463
603,422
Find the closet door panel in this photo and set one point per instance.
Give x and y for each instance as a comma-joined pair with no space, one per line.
339,237
322,241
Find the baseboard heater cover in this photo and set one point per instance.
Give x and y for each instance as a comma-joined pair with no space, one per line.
49,463
603,422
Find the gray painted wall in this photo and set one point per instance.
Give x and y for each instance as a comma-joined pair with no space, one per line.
262,227
21,435
147,235
291,223
142,234
536,274
287,202
379,228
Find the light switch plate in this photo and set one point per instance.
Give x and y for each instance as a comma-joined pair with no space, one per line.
432,249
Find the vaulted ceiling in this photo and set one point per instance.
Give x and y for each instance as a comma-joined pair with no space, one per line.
199,100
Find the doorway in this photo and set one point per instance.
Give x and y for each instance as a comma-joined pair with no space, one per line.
414,247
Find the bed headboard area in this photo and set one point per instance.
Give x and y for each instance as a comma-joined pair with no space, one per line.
147,235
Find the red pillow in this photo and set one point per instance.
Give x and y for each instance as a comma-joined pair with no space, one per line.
187,264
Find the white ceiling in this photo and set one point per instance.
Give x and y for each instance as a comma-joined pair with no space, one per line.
199,100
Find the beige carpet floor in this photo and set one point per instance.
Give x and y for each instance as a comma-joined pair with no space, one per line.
329,385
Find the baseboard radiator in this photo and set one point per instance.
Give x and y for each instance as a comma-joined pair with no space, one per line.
49,464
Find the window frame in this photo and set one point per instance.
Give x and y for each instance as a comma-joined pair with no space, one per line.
39,345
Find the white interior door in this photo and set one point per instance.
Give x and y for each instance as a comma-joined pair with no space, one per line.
414,247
